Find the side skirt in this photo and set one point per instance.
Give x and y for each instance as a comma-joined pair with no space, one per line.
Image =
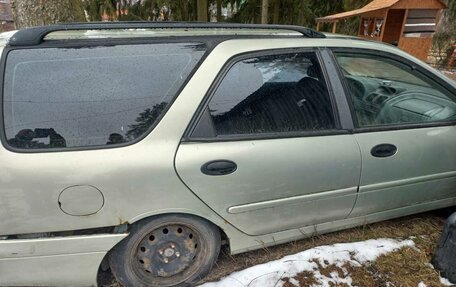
241,243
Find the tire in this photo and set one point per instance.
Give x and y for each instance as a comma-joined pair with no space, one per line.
169,250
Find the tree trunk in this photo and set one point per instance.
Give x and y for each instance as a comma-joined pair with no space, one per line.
185,12
219,11
276,15
202,10
153,17
29,13
264,11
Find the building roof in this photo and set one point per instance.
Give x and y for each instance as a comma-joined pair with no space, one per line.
6,13
372,6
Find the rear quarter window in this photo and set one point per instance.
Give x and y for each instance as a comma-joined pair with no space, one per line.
92,96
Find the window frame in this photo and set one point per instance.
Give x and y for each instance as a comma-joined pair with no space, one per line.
393,57
94,43
208,136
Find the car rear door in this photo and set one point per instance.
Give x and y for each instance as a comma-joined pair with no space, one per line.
266,150
406,131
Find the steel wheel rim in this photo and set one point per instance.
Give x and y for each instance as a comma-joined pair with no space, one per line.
170,250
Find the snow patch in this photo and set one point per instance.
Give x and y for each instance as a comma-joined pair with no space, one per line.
446,282
271,273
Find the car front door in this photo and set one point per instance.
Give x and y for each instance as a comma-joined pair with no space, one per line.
266,151
406,131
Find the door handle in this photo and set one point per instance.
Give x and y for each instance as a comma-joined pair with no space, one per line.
218,167
384,150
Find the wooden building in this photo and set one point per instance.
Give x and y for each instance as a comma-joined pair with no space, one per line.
409,24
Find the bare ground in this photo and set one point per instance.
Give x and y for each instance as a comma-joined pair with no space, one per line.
406,267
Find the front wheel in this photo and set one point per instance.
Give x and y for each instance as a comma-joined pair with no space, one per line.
171,250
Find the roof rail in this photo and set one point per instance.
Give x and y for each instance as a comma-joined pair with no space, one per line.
36,35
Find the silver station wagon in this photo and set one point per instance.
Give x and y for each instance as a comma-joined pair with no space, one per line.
144,147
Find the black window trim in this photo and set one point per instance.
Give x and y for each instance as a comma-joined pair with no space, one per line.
208,137
334,77
92,44
404,61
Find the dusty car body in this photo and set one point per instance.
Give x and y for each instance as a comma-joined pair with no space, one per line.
74,181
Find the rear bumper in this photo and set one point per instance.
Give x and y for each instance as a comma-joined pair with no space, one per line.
61,261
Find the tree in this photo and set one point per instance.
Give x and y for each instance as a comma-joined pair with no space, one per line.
276,12
97,8
448,20
248,12
145,120
350,26
29,13
297,12
219,10
202,10
264,12
142,10
445,35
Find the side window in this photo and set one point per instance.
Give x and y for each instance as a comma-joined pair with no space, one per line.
95,96
387,92
272,94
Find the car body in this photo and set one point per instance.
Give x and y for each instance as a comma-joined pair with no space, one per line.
377,147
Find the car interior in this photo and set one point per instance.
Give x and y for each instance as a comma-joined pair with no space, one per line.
290,101
381,100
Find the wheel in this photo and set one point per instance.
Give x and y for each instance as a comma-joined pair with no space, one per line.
171,250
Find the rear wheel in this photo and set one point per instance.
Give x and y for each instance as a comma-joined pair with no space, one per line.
172,250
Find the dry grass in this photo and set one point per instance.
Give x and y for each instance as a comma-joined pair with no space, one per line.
426,227
407,267
305,278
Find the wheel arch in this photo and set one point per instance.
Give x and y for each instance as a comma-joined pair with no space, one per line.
104,264
215,220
